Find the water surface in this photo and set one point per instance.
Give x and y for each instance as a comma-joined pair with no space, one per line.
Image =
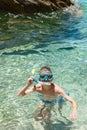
56,40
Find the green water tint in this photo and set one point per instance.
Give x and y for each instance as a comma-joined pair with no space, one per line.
27,43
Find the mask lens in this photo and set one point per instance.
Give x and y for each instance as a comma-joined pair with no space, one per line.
50,76
45,76
42,76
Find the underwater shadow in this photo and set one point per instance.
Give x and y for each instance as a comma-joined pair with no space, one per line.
21,52
28,51
35,51
59,125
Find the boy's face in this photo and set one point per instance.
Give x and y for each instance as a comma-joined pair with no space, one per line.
45,75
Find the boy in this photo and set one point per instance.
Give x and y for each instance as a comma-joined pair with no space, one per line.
48,93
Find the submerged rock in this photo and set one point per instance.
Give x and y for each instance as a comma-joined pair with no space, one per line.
28,7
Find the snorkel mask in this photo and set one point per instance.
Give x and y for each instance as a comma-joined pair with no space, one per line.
45,76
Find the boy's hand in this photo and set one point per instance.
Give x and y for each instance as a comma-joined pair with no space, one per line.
30,80
73,115
22,92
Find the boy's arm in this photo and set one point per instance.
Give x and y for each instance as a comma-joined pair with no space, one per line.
30,90
74,104
73,115
23,91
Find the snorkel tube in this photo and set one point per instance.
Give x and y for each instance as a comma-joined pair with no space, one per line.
37,81
33,74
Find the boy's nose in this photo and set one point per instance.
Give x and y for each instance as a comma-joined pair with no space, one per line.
46,78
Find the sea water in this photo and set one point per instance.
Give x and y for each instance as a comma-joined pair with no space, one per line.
29,42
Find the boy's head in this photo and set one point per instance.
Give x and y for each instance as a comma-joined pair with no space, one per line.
45,74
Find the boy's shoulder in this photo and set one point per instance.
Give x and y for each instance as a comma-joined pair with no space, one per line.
57,88
56,85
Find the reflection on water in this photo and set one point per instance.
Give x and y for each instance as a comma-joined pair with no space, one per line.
56,40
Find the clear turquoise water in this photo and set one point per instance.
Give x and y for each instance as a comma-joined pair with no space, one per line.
31,42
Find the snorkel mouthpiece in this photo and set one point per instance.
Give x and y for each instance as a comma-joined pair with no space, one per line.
45,83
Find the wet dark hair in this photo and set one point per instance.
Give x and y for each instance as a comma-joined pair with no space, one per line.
45,67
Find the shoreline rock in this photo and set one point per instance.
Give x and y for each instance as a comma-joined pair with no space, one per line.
28,7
